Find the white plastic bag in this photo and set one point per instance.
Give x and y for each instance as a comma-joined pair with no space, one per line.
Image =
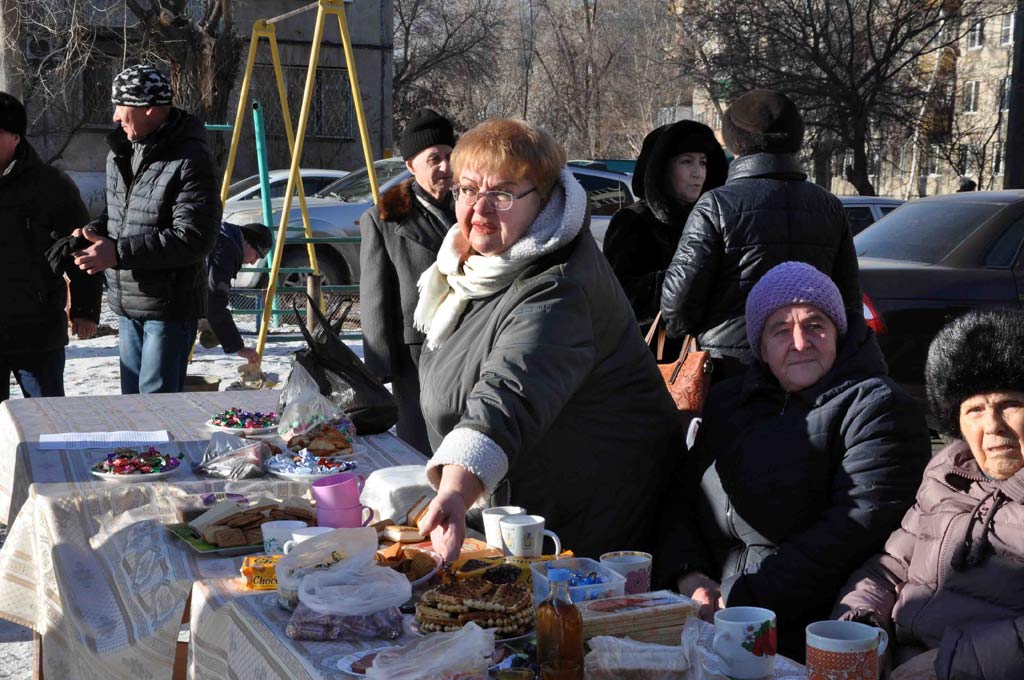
465,654
613,658
322,552
354,588
231,457
301,405
395,491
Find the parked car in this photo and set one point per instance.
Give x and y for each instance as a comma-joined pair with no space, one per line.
934,259
313,180
336,209
863,211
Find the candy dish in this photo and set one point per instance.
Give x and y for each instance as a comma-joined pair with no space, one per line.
304,466
240,421
131,465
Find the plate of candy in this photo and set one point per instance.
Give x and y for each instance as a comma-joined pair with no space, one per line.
132,465
305,467
240,421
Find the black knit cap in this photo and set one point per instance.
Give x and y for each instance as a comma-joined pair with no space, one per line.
426,129
257,236
762,121
12,115
977,353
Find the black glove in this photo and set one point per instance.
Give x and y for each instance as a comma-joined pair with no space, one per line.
62,249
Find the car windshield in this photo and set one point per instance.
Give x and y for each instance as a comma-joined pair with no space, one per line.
924,232
243,184
355,187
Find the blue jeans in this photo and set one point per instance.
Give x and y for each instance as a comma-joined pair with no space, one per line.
154,354
39,374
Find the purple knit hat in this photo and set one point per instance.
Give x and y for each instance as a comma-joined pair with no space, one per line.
791,283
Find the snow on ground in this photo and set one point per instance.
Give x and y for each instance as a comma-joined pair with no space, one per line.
91,366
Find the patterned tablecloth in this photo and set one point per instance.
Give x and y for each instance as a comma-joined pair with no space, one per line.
88,563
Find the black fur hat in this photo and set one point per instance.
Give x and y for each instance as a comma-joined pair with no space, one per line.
763,121
978,352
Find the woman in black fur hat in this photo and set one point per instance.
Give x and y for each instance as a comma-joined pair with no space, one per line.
677,164
960,551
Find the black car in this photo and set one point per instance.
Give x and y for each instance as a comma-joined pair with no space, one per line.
933,259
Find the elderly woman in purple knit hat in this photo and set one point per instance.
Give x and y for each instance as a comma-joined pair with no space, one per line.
802,467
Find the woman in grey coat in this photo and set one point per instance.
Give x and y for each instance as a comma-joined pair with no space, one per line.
533,371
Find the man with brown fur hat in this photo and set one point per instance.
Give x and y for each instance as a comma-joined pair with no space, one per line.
400,240
766,213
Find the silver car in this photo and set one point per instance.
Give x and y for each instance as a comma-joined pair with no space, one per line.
335,211
863,211
313,180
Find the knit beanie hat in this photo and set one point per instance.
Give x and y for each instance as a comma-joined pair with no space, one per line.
257,236
976,353
762,121
141,85
791,283
426,129
12,115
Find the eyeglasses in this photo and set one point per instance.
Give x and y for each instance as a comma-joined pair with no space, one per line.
501,200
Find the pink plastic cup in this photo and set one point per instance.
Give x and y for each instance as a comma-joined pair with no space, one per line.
344,518
338,491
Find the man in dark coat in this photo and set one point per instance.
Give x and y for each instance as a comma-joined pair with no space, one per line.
766,213
642,237
401,237
236,245
38,205
161,221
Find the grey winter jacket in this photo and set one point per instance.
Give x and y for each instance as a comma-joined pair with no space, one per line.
952,576
554,371
164,219
766,213
785,494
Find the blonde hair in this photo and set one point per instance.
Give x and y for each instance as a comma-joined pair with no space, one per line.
512,146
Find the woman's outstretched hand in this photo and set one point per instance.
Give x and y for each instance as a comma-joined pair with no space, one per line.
445,519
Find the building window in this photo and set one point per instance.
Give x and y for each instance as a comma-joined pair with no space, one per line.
331,113
1003,94
1006,30
968,155
998,158
931,163
976,35
96,107
970,103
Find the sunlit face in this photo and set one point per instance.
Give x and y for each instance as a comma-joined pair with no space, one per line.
138,122
8,144
491,231
432,169
992,424
688,171
799,345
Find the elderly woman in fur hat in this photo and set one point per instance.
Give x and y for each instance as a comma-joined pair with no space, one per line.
534,378
951,579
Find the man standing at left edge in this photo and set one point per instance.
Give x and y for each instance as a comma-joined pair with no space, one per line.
38,204
161,221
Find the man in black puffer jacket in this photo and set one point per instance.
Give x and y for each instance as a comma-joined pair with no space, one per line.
765,214
161,221
38,204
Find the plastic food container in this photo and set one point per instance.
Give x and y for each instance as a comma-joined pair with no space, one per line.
614,583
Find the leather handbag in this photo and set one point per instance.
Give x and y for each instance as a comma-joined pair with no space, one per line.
688,378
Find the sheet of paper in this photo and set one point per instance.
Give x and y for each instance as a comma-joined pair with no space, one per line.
101,440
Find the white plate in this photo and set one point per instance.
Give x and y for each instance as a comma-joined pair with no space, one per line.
415,627
145,477
296,477
242,430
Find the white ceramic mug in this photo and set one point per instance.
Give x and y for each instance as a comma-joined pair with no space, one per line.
277,533
492,517
844,649
634,565
746,640
524,535
304,534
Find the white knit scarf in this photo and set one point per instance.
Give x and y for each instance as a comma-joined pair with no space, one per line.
448,285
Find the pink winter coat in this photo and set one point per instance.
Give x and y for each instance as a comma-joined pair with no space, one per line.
952,576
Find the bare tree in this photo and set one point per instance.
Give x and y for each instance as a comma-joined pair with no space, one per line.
62,43
849,65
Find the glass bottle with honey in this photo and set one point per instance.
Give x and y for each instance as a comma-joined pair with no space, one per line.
559,631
